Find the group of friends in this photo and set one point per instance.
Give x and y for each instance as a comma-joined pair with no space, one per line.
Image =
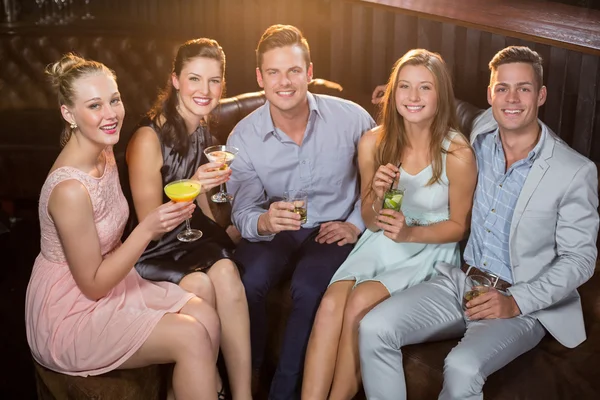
365,281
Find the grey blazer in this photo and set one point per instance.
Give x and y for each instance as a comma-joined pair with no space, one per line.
553,235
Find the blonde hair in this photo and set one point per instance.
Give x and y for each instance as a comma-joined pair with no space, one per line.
64,73
393,138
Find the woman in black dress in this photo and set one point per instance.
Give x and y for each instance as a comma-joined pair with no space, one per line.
167,146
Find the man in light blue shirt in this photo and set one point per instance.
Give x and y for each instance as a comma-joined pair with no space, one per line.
296,141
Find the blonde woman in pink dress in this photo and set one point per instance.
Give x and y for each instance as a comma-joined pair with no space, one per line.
87,309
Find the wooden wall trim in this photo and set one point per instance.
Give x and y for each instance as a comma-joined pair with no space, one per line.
546,22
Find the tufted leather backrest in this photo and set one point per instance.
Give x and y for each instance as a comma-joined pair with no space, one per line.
141,66
31,122
231,110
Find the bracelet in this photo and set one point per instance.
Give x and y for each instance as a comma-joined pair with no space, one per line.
373,206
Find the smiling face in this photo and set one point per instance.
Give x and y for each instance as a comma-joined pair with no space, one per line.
97,109
200,85
285,76
514,97
416,95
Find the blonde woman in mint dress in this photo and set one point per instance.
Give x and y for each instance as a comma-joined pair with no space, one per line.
399,249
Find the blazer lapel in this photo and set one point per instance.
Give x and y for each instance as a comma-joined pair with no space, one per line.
537,172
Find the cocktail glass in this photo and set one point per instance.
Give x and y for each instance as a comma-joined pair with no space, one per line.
392,199
475,285
223,154
299,198
185,190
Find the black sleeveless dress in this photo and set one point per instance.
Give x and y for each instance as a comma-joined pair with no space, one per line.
169,259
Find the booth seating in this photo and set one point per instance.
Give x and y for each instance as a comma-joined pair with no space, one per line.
148,383
31,124
549,371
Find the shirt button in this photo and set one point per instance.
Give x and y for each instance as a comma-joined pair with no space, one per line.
493,210
487,230
500,185
485,264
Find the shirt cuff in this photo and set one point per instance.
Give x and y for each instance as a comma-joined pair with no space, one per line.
356,219
251,229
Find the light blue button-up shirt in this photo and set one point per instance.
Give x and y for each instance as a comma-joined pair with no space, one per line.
494,204
325,165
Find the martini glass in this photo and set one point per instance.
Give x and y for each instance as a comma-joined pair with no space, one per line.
223,154
185,190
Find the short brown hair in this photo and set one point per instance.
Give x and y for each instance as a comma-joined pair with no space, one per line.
280,36
519,54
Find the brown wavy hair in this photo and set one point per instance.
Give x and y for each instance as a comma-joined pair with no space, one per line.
518,54
392,139
164,115
64,73
280,36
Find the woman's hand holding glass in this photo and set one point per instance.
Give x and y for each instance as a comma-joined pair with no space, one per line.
393,225
384,179
211,175
167,217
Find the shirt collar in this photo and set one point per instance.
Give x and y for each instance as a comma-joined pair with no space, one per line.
533,154
266,123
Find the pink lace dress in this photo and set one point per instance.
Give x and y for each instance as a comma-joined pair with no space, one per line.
69,333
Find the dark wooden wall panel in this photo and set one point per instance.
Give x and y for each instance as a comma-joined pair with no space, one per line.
356,44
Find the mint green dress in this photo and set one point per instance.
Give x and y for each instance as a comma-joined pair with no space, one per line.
400,265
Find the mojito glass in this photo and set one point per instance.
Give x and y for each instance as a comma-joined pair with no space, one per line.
392,200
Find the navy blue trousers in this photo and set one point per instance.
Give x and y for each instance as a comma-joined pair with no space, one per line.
266,264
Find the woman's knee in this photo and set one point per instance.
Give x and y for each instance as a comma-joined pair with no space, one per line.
187,337
360,302
225,273
200,284
332,304
204,313
226,280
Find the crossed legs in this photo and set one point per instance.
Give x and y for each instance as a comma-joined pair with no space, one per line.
222,287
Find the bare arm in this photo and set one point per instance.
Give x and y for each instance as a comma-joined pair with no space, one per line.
366,168
461,169
144,161
373,178
71,210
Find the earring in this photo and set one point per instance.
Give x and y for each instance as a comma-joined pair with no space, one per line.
73,126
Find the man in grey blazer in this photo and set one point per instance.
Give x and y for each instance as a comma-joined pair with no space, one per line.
533,234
